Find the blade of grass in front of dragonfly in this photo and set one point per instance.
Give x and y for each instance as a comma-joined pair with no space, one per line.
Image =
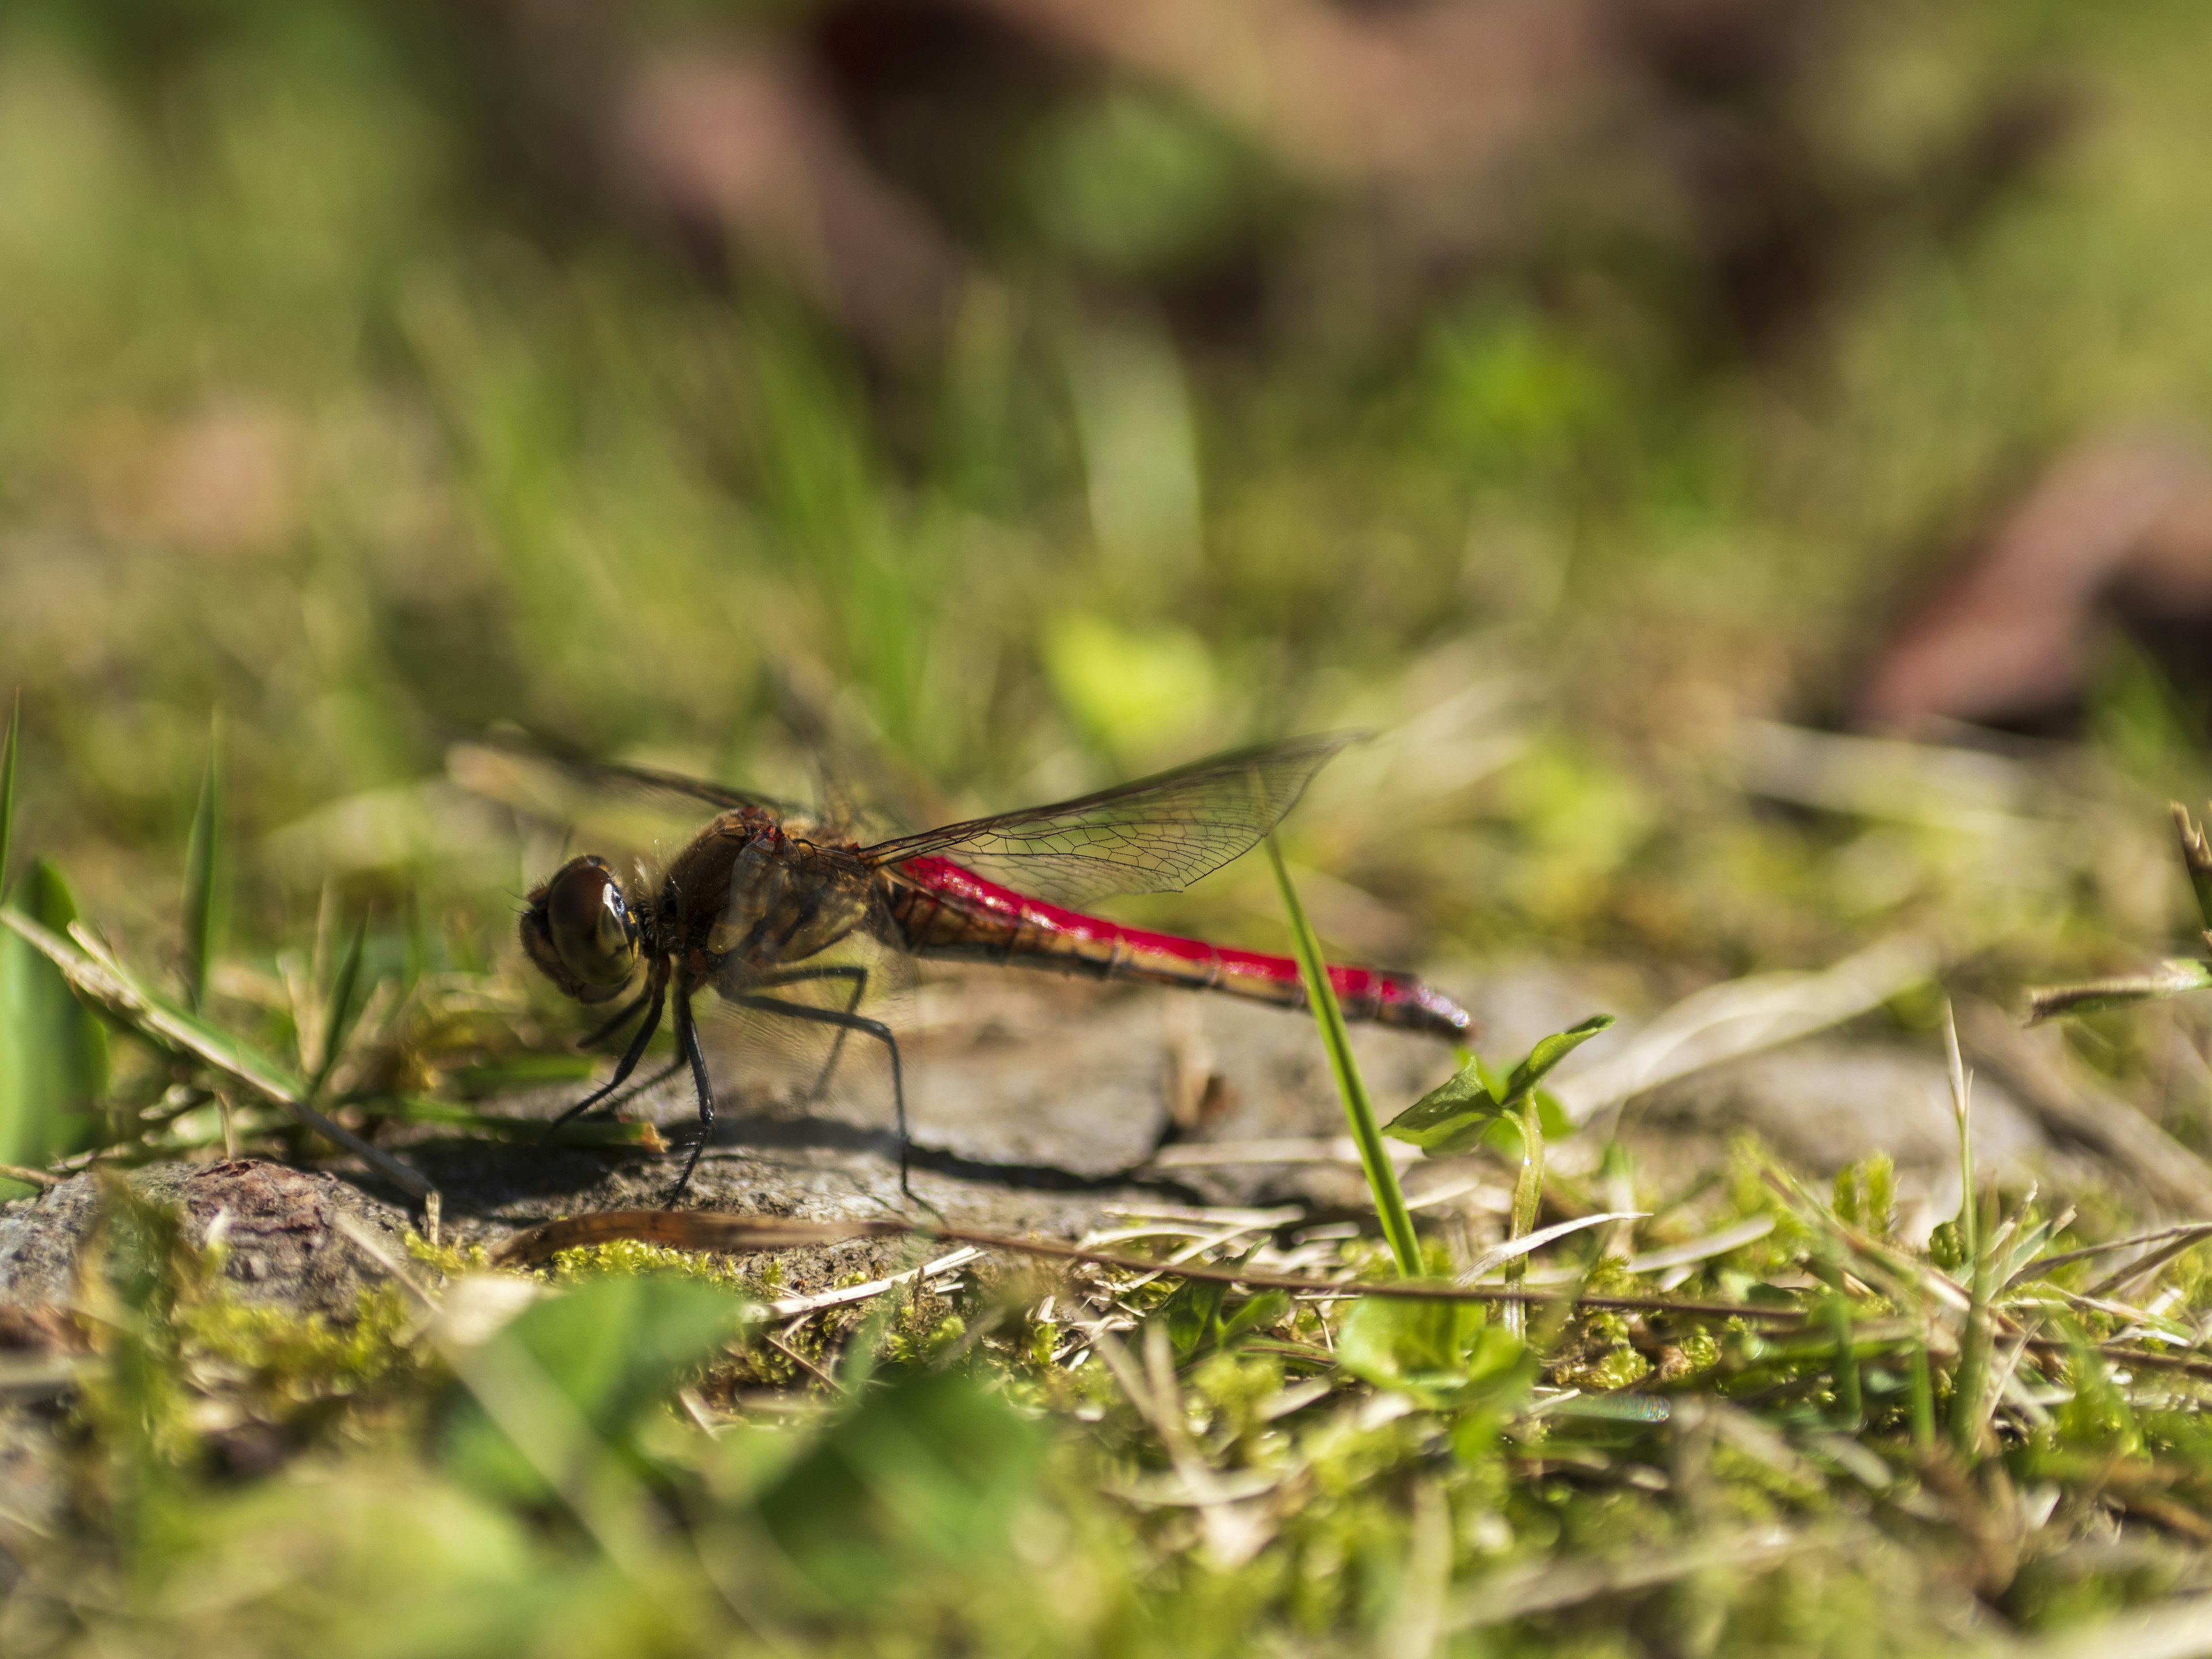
7,787
1351,1087
203,876
1962,1086
1970,1382
338,1012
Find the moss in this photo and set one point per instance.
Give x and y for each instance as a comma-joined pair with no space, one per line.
301,1356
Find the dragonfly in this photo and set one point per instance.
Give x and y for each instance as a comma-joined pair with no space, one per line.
749,906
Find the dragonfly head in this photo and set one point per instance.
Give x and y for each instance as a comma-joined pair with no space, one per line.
580,932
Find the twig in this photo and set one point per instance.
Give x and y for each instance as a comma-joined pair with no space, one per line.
694,1230
39,1178
802,1362
2189,1231
799,1307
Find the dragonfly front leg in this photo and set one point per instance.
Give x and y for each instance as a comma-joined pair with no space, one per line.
621,1018
656,989
859,977
687,1046
849,1022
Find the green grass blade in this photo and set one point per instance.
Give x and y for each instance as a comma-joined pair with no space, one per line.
1962,1109
338,1012
53,1051
1351,1087
95,975
1970,1381
203,877
7,787
1851,1405
1922,1392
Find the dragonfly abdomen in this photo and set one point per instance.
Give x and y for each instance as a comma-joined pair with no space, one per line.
944,910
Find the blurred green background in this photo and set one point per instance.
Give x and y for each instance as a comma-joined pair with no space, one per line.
1049,394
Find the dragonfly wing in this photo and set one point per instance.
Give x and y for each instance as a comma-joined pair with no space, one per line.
1157,834
527,772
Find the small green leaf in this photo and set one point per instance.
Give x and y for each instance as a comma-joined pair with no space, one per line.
1451,1116
338,1012
203,878
7,787
1548,1053
614,1348
1466,1109
1194,1316
1442,1352
1257,1314
2173,978
929,1476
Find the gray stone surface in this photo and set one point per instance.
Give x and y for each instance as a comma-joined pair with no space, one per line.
1038,1102
277,1225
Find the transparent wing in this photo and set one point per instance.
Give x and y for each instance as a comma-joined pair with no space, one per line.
1155,836
544,778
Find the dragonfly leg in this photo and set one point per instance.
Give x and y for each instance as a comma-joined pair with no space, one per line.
874,1028
859,978
616,1102
687,1045
621,1018
627,1064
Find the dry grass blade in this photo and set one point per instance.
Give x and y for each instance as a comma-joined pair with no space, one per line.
2036,1068
798,1307
2179,1630
1299,1149
1741,1017
2114,1284
685,1229
1490,1259
692,1230
2188,1231
1233,1532
2195,859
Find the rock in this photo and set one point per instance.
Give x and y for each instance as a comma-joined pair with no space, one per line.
278,1223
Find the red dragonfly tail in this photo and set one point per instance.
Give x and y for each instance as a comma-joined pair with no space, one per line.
943,910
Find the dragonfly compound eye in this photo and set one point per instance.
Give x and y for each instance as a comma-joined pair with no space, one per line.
580,932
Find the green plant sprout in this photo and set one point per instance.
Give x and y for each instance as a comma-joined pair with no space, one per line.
1474,1103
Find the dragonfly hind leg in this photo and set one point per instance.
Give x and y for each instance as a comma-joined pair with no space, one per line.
858,977
688,1049
847,1021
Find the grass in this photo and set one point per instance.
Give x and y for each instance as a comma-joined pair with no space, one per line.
1279,1443
312,418
1351,1087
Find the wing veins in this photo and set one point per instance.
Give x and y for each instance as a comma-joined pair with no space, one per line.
1155,835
